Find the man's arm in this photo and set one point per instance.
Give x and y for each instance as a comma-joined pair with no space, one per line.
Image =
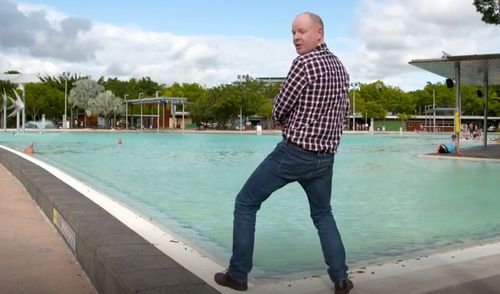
290,92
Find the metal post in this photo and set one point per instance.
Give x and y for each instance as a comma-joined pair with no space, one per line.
458,103
17,121
354,109
183,121
485,126
241,118
126,112
425,118
65,101
5,111
5,118
434,110
172,114
140,98
158,113
24,110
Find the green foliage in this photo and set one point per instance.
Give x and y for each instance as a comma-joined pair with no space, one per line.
490,10
12,71
59,82
43,99
132,87
83,94
7,85
266,109
105,104
221,105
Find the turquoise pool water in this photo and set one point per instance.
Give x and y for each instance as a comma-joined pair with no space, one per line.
387,200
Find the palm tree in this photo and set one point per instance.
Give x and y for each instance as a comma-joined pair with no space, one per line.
105,104
83,94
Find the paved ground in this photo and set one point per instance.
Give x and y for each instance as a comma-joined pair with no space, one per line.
474,274
33,256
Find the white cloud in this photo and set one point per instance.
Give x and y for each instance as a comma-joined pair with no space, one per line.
394,32
388,34
45,41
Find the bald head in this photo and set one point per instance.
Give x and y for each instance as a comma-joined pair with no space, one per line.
315,18
307,30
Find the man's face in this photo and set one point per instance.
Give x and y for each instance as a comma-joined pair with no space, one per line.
307,34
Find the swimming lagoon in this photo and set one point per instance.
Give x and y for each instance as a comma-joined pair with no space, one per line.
388,201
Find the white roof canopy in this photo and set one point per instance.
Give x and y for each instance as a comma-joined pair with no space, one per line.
472,67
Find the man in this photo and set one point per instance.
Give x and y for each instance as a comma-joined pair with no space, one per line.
447,148
311,108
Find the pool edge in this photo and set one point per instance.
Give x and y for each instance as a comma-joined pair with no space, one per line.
115,258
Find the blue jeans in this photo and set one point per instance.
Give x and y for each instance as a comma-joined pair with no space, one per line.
288,163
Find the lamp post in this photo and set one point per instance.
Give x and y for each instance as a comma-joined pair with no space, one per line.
65,118
140,98
126,112
354,86
158,113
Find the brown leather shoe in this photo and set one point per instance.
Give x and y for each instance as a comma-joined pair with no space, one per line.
343,287
224,279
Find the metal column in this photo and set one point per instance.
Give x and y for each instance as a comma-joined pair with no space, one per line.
183,121
458,104
485,125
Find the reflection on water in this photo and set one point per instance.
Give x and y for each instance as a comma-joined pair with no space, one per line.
387,200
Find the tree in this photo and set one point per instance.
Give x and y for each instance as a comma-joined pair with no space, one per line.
105,104
192,91
375,110
83,93
12,71
59,82
490,9
201,111
7,85
43,99
403,117
266,109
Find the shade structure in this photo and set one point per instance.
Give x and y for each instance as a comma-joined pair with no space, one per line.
472,67
479,69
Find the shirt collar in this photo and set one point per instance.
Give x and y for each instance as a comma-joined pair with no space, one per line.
321,47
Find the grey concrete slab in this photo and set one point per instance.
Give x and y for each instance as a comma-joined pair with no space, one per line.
490,285
115,258
33,257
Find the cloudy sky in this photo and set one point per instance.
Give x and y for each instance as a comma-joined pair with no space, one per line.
212,41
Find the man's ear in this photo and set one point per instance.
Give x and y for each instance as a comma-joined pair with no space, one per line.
320,33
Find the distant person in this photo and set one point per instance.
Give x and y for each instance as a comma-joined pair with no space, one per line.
311,108
119,142
447,148
29,149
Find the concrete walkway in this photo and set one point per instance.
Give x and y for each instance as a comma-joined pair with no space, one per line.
467,271
33,256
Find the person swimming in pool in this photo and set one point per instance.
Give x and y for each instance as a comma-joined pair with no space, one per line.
29,149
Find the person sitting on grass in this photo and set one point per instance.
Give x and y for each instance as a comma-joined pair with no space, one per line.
447,148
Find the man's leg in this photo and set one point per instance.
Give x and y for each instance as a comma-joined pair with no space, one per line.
318,190
261,184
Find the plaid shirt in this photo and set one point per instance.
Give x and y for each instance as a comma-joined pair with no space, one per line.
313,101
